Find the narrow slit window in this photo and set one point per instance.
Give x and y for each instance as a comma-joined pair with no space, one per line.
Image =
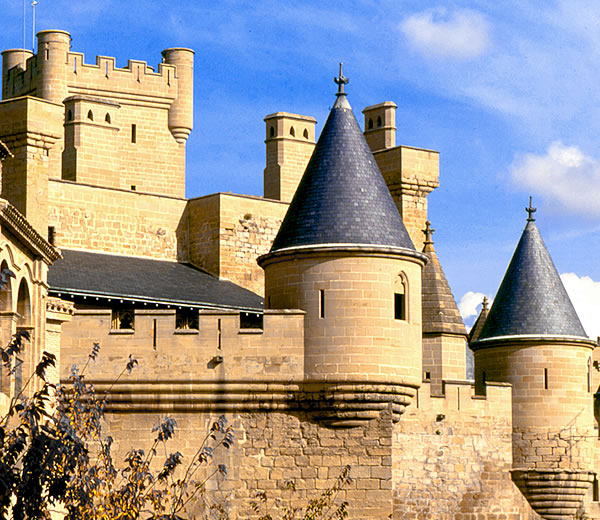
589,375
321,303
545,379
134,133
595,493
370,124
51,234
272,132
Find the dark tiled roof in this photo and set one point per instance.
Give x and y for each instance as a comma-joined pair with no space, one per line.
440,313
531,299
98,274
342,197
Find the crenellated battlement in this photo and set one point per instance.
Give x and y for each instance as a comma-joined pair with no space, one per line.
103,77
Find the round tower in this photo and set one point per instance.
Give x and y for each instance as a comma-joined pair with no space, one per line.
181,113
533,339
343,255
12,58
53,48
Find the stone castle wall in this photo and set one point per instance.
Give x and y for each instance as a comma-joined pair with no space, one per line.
115,221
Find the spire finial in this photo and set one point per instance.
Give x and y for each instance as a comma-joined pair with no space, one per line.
428,232
484,304
341,81
530,211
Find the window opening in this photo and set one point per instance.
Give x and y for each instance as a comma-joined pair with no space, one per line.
90,115
186,319
134,133
379,122
154,334
595,491
123,319
51,234
219,335
251,320
292,131
400,304
589,375
427,376
305,134
370,124
272,132
6,301
133,187
321,303
107,118
70,115
545,379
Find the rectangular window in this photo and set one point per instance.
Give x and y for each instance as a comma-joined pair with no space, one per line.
251,320
545,379
321,303
51,234
595,493
122,319
186,319
134,133
399,306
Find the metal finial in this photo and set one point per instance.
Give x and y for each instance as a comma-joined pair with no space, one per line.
530,211
428,232
484,304
341,81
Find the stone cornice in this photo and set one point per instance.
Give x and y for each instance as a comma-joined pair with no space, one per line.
18,224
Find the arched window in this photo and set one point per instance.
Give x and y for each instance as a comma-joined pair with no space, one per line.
401,297
370,124
379,122
107,118
6,290
70,115
23,306
292,131
272,132
90,115
305,134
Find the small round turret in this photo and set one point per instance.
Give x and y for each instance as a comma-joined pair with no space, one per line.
12,58
181,113
343,255
53,48
533,339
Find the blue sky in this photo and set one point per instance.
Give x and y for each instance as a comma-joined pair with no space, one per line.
506,91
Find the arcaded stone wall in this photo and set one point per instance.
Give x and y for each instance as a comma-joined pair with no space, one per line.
452,457
115,221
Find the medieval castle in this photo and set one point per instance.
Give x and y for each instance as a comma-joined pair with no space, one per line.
317,317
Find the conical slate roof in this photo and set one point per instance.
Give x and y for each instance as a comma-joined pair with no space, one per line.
342,197
440,313
532,299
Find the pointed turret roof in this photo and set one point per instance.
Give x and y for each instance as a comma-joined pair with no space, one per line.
479,322
531,299
440,313
342,197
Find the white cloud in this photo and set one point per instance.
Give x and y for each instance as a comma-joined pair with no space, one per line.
470,304
462,34
564,174
585,295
